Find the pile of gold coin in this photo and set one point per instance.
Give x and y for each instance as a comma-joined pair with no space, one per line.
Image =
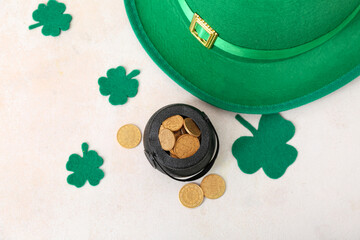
179,137
192,195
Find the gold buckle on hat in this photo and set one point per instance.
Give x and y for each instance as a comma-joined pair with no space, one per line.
209,43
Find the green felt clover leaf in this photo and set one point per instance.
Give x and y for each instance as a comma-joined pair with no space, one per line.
267,149
119,85
52,18
85,168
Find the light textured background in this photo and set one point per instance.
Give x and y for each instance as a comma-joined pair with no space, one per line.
50,103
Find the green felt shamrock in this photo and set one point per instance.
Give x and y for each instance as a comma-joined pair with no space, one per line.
52,18
85,168
267,148
119,85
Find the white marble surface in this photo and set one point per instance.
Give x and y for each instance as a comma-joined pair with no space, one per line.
50,104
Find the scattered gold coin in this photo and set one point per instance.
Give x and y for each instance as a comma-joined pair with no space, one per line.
213,186
167,139
191,195
191,127
129,136
173,123
186,146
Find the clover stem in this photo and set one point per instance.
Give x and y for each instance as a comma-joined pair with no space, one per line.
85,148
133,73
35,26
246,124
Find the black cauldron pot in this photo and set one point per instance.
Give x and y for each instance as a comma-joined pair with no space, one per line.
187,169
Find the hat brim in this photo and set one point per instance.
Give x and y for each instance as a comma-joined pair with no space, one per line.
240,85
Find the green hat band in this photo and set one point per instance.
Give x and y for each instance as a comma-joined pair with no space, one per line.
209,38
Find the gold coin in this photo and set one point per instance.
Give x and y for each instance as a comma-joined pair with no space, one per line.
129,136
191,127
167,139
213,186
191,195
177,134
186,146
183,131
173,123
173,155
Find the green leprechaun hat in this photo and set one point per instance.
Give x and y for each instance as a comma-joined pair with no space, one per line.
252,56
